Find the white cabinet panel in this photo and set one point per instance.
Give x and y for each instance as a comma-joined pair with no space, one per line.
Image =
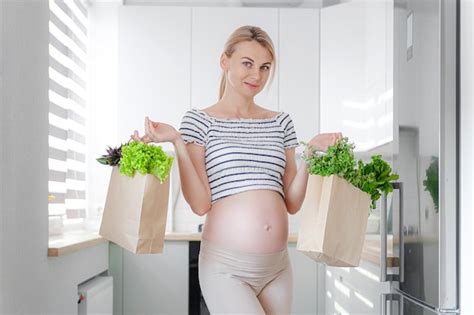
354,290
158,283
299,69
210,29
356,65
298,84
305,282
154,66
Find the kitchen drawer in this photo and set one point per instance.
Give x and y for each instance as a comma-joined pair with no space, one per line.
354,290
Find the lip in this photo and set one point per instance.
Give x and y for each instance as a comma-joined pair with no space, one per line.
254,87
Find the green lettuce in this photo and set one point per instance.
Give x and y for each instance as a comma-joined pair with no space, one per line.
146,159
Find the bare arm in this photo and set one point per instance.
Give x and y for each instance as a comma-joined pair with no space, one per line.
192,172
295,182
191,163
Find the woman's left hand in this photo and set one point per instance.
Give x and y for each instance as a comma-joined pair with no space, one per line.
322,142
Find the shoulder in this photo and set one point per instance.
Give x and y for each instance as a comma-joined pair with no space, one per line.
284,118
196,116
265,113
210,110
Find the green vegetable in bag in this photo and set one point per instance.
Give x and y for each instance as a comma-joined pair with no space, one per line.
373,178
138,156
146,159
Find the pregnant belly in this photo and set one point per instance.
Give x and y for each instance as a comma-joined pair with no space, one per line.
253,221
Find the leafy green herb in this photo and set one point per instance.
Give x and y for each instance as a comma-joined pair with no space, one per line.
338,160
373,178
112,157
431,182
146,159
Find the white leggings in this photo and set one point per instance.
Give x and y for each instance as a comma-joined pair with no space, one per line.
234,282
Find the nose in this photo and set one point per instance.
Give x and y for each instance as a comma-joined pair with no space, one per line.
256,75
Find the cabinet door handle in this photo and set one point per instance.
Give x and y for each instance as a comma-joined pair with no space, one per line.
383,239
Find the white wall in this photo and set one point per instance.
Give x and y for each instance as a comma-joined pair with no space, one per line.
102,109
30,282
467,158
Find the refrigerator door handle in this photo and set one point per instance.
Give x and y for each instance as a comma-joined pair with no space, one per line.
384,297
383,239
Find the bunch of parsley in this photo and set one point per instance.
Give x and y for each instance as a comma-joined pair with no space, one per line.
373,178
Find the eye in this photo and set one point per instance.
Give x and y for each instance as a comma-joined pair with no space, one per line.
247,63
266,68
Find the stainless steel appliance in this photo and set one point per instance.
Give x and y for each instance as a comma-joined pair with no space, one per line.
196,303
424,207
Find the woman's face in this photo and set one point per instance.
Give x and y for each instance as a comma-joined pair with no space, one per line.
248,68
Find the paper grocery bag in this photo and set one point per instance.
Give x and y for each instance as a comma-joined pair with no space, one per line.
135,212
333,222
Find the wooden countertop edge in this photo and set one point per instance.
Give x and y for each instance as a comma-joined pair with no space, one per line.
372,255
69,243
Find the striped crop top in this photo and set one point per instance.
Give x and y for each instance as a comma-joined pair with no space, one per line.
241,153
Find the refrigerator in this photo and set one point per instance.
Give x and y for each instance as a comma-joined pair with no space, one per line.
422,212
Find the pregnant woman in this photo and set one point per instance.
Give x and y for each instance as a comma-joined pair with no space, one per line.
237,166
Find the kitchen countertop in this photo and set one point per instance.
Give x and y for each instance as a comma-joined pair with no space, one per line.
74,241
371,250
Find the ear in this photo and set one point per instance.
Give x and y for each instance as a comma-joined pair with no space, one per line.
224,62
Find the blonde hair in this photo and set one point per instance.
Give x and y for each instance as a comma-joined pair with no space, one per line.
247,33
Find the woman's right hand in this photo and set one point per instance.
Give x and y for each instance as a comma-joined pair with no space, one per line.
157,132
322,142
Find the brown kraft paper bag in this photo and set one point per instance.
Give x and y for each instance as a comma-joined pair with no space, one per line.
135,212
334,221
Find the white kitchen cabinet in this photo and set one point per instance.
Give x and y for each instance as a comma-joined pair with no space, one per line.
356,72
298,84
154,73
298,66
158,283
308,283
354,290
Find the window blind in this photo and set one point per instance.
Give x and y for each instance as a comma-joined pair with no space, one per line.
68,29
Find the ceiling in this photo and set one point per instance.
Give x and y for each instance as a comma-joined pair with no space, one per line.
318,4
